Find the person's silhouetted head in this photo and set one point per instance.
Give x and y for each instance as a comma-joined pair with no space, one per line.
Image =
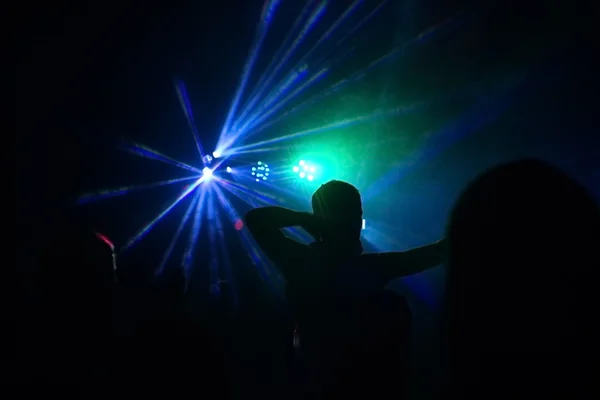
74,264
523,250
339,204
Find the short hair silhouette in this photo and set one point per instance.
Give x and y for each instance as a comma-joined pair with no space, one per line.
522,239
341,204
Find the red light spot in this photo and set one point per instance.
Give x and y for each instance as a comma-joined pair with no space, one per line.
239,224
105,240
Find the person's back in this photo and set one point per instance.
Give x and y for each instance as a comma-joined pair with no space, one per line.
348,327
327,303
330,284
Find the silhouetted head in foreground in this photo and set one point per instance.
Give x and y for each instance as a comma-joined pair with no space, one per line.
523,242
340,206
72,284
75,266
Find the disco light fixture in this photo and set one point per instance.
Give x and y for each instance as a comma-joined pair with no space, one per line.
305,170
207,159
250,113
260,172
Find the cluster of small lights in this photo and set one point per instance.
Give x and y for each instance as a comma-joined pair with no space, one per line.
305,170
261,171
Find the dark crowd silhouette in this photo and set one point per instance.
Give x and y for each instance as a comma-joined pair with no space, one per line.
521,247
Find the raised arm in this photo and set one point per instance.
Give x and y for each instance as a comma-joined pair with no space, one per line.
265,225
399,264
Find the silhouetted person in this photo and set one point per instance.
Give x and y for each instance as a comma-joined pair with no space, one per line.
523,255
330,282
71,320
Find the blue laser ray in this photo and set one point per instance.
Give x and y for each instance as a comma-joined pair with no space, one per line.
290,50
187,109
272,68
261,34
175,238
142,232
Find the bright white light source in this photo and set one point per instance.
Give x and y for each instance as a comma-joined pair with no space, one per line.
207,173
217,154
364,224
228,169
310,177
301,174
